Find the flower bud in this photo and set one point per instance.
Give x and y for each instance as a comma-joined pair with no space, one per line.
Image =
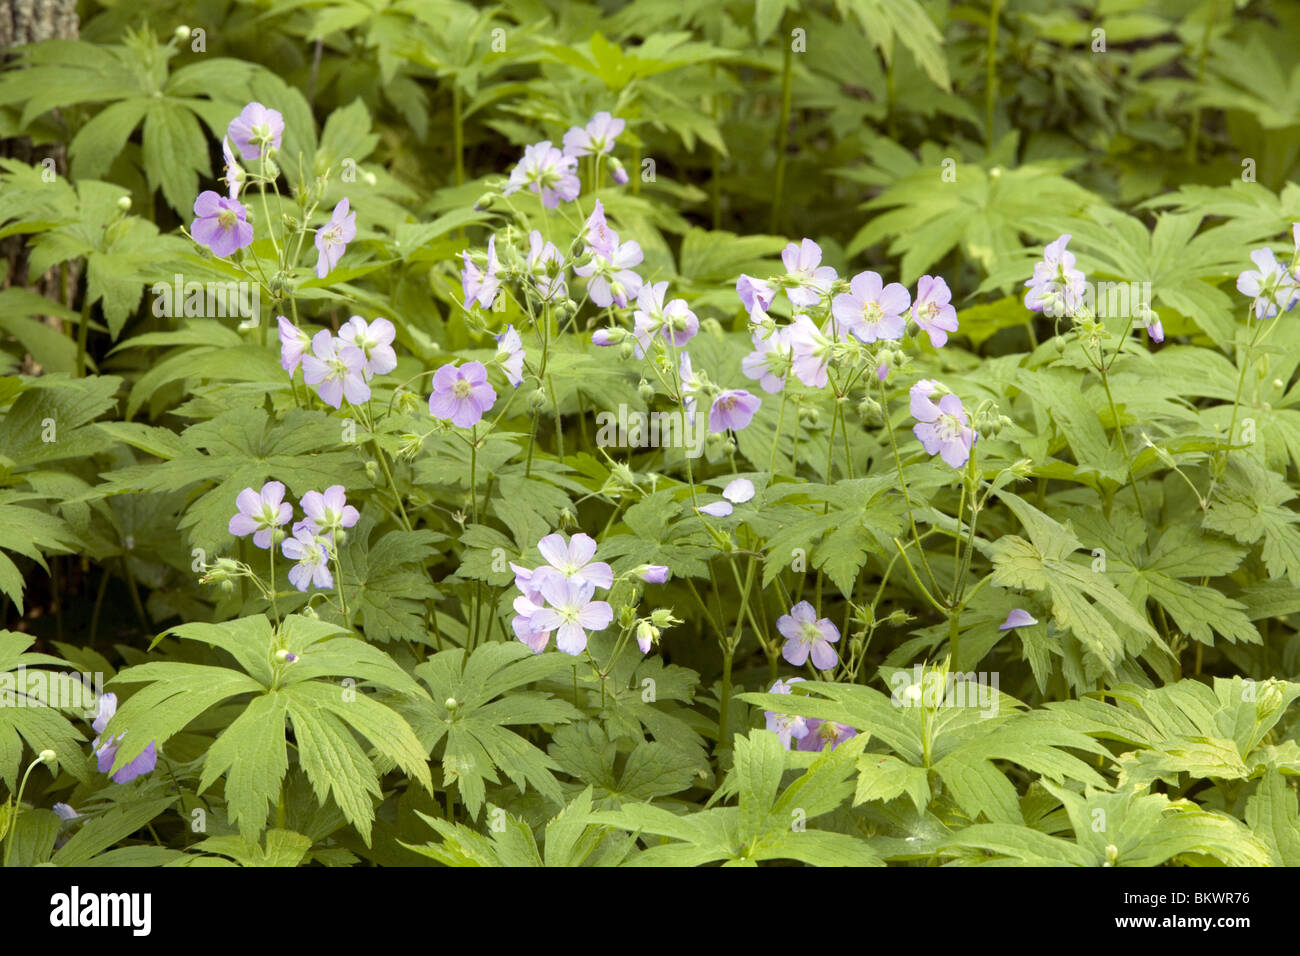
182,33
485,201
617,171
285,657
451,703
646,391
567,519
663,617
536,400
647,635
124,203
372,470
626,349
310,612
47,757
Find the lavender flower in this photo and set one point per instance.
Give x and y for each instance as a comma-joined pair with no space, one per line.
871,310
675,321
609,271
597,137
234,172
65,812
547,172
481,285
293,342
374,341
942,429
770,361
312,555
221,224
756,295
806,635
510,355
572,559
336,369
261,513
733,410
599,237
332,239
330,512
811,350
254,129
1269,284
571,613
786,726
462,394
1056,288
932,310
803,265
526,608
106,753
546,266
825,732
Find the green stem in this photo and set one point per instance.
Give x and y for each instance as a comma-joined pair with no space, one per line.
782,134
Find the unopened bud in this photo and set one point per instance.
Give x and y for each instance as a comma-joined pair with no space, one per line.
485,201
124,203
47,757
182,33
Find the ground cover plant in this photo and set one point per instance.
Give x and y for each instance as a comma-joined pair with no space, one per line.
635,434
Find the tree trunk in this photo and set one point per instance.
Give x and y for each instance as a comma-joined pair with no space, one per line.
21,22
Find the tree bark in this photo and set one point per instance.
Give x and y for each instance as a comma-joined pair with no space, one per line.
22,22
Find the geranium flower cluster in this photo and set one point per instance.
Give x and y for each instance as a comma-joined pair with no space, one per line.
832,319
221,222
315,538
340,366
811,733
1058,289
552,173
558,597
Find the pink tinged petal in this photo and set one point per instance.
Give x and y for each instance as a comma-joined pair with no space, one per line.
571,639
242,524
823,656
273,493
331,392
442,405
795,652
596,615
249,501
1017,618
599,574
554,549
739,491
582,548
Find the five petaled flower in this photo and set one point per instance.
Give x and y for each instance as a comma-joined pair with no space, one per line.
806,635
